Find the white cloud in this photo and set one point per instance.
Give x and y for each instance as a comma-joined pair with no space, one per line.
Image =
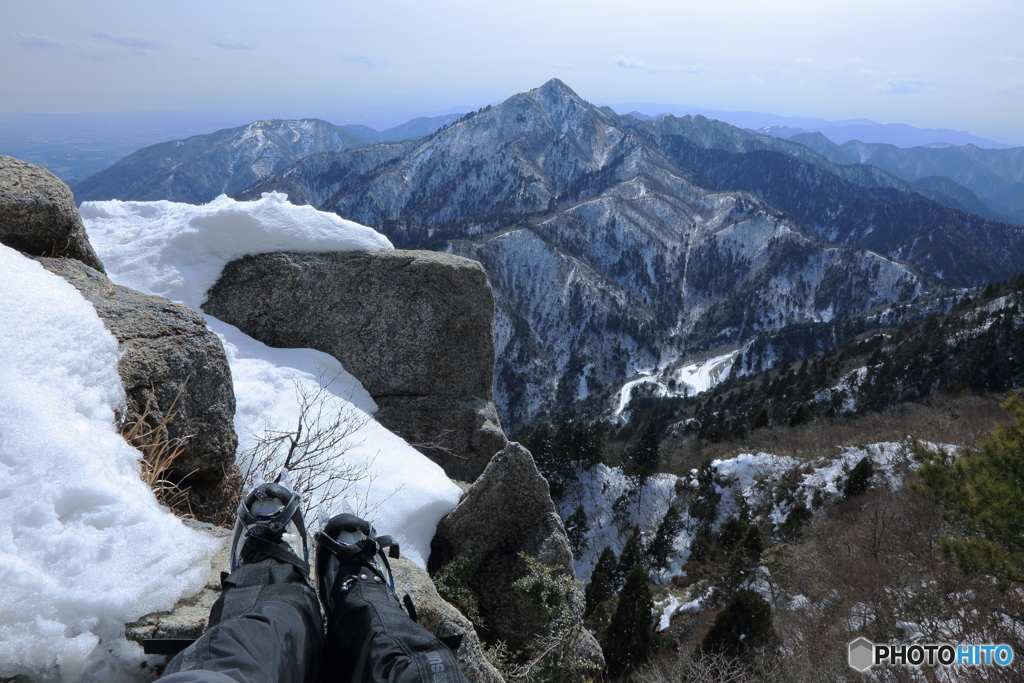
362,59
556,65
904,86
129,40
1010,88
805,61
633,63
232,44
39,42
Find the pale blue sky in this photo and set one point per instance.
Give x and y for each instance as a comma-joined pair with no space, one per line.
929,63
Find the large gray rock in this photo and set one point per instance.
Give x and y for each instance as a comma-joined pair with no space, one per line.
168,358
415,327
508,513
38,214
441,618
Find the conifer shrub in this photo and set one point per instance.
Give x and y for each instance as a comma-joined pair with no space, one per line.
553,656
630,639
983,492
744,625
859,479
452,583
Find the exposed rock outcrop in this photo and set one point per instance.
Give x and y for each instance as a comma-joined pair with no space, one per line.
415,327
189,616
508,512
171,362
441,618
38,214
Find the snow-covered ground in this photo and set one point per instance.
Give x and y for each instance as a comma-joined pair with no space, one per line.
753,477
687,380
86,548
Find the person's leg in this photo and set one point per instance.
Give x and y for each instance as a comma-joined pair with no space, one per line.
266,625
370,637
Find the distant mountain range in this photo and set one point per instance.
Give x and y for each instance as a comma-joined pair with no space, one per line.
994,179
615,245
201,167
865,130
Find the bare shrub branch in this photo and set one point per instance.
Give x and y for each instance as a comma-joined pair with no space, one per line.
311,455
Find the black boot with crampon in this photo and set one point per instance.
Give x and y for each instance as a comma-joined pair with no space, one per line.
266,624
370,637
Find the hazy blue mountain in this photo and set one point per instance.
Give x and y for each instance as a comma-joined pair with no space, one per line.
198,169
414,128
418,127
899,134
994,175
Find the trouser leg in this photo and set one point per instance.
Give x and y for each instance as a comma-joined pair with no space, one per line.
371,639
264,628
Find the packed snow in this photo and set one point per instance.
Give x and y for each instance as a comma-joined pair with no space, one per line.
177,251
84,546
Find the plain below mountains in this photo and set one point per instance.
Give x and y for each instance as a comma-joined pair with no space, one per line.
617,246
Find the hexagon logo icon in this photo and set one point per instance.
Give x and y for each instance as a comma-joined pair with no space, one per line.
862,654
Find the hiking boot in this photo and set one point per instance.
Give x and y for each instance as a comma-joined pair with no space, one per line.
348,550
270,525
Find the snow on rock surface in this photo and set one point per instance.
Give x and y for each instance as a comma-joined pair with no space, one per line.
84,546
177,251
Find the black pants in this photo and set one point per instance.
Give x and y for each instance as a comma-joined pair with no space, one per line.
266,628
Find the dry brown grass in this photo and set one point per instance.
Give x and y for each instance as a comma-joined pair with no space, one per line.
958,420
149,435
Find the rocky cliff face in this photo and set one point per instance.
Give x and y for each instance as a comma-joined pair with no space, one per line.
415,327
506,517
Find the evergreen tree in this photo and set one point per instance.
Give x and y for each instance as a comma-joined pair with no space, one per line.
983,490
598,590
661,547
704,506
797,519
630,639
860,478
576,528
632,555
745,624
641,461
607,564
